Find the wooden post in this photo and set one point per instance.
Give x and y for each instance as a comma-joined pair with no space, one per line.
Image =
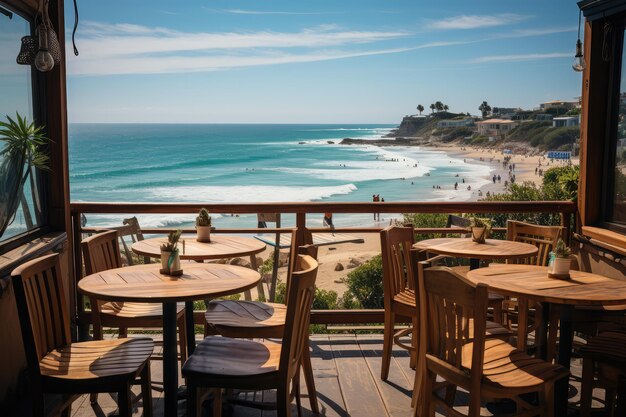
80,332
301,232
566,223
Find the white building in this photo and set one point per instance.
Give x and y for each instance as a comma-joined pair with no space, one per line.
495,129
468,121
566,121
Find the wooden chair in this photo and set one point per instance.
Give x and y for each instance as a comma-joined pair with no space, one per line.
544,237
56,365
605,358
224,362
102,252
399,291
457,350
255,319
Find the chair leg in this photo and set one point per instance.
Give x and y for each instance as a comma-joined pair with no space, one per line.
413,353
182,342
586,389
497,311
553,328
283,403
146,390
124,401
217,402
307,370
387,344
297,393
549,399
428,405
192,398
123,332
621,397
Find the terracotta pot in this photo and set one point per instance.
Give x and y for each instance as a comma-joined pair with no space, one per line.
203,233
479,234
165,257
561,266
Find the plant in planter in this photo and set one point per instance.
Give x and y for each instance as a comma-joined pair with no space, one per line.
562,261
203,226
170,256
23,150
481,228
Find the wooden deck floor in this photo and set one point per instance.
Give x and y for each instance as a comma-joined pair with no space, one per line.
347,376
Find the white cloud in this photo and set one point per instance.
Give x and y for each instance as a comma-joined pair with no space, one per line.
476,21
520,57
264,12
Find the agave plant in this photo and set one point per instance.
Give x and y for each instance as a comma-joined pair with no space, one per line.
22,151
172,241
561,250
203,218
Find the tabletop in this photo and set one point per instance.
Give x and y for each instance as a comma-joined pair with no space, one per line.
583,288
144,283
467,248
219,247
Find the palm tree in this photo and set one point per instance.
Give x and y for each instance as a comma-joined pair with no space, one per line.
420,108
432,108
485,108
445,107
438,105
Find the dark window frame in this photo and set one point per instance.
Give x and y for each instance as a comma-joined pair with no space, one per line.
39,115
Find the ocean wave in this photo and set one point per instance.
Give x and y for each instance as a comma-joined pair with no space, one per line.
356,129
248,193
145,220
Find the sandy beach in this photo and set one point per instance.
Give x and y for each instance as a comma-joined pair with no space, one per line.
331,256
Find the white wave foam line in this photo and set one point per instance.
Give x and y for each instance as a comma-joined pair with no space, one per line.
145,220
248,193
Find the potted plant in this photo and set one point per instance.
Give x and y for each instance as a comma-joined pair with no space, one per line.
562,261
170,257
23,147
203,226
481,228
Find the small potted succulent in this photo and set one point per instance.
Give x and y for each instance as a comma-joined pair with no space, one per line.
561,262
170,256
203,226
481,228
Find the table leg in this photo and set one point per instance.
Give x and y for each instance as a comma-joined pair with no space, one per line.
170,360
541,334
474,264
191,328
566,340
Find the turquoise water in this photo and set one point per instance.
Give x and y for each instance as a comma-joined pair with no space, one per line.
254,163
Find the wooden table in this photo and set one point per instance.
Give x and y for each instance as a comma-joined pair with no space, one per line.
220,247
144,283
532,282
467,248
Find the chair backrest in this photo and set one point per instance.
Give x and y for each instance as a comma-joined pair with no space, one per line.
299,301
451,304
101,252
130,228
42,308
395,246
544,237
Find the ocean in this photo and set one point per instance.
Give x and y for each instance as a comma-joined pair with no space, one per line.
216,163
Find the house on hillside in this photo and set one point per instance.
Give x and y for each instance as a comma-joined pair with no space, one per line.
495,129
566,121
467,121
544,117
568,104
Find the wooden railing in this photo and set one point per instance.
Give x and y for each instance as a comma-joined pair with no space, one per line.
566,210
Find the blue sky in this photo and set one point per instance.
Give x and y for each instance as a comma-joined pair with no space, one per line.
324,61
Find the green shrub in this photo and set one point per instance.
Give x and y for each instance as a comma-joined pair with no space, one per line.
323,300
425,220
561,136
365,285
479,140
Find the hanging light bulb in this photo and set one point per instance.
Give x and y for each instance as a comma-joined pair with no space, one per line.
579,60
44,61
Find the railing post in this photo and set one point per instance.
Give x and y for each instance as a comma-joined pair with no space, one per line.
301,232
566,223
77,307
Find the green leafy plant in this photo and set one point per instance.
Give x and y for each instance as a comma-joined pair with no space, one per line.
172,241
561,250
24,138
480,222
365,285
203,218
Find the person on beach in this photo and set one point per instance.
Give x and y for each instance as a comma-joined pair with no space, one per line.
376,199
328,221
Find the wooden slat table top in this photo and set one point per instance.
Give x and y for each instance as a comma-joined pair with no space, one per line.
533,282
144,283
219,247
467,248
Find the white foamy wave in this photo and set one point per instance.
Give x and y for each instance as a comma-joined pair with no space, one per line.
248,193
145,220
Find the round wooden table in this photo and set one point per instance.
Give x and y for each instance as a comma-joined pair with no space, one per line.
532,282
467,248
144,283
219,247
